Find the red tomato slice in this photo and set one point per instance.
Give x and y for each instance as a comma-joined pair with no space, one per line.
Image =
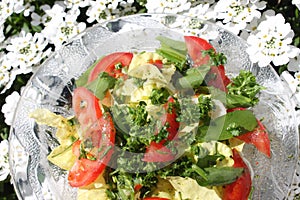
170,118
84,172
195,47
216,77
240,189
86,106
259,138
157,152
102,137
155,198
107,64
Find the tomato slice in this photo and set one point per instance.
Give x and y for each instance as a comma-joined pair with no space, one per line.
85,170
170,118
240,189
157,152
216,77
155,198
108,64
259,138
195,47
86,106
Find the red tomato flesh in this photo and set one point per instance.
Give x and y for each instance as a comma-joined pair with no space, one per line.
240,189
157,152
259,138
85,171
86,106
216,77
195,47
108,63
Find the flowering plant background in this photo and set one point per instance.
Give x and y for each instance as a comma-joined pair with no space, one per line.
30,30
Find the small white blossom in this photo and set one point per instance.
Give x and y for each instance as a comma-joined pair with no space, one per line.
76,3
235,14
271,42
60,29
8,109
6,9
167,6
4,164
26,50
102,10
290,80
201,11
294,64
296,3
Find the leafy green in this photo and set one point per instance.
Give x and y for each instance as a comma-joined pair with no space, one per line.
243,89
83,79
159,96
194,77
101,85
215,58
174,50
139,114
227,126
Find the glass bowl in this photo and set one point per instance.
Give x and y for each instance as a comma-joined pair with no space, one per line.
52,85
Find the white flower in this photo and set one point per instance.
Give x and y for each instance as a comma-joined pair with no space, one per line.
4,164
167,6
271,42
102,10
296,3
6,9
201,11
294,64
290,80
60,29
235,14
8,109
76,3
26,50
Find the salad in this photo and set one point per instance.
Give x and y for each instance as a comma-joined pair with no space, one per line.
162,125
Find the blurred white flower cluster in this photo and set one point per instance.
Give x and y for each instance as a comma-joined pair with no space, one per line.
53,23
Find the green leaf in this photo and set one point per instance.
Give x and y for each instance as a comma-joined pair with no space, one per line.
221,175
194,77
229,125
83,79
101,85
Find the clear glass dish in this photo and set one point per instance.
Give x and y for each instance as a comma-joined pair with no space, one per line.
52,85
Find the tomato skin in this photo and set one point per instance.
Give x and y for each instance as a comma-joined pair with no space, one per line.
84,172
157,152
97,128
155,198
86,106
107,64
240,189
259,138
170,118
195,47
216,76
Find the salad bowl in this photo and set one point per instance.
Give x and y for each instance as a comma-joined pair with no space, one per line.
52,86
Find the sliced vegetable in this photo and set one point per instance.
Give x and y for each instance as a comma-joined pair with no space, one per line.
259,137
240,189
112,64
157,152
86,106
196,46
